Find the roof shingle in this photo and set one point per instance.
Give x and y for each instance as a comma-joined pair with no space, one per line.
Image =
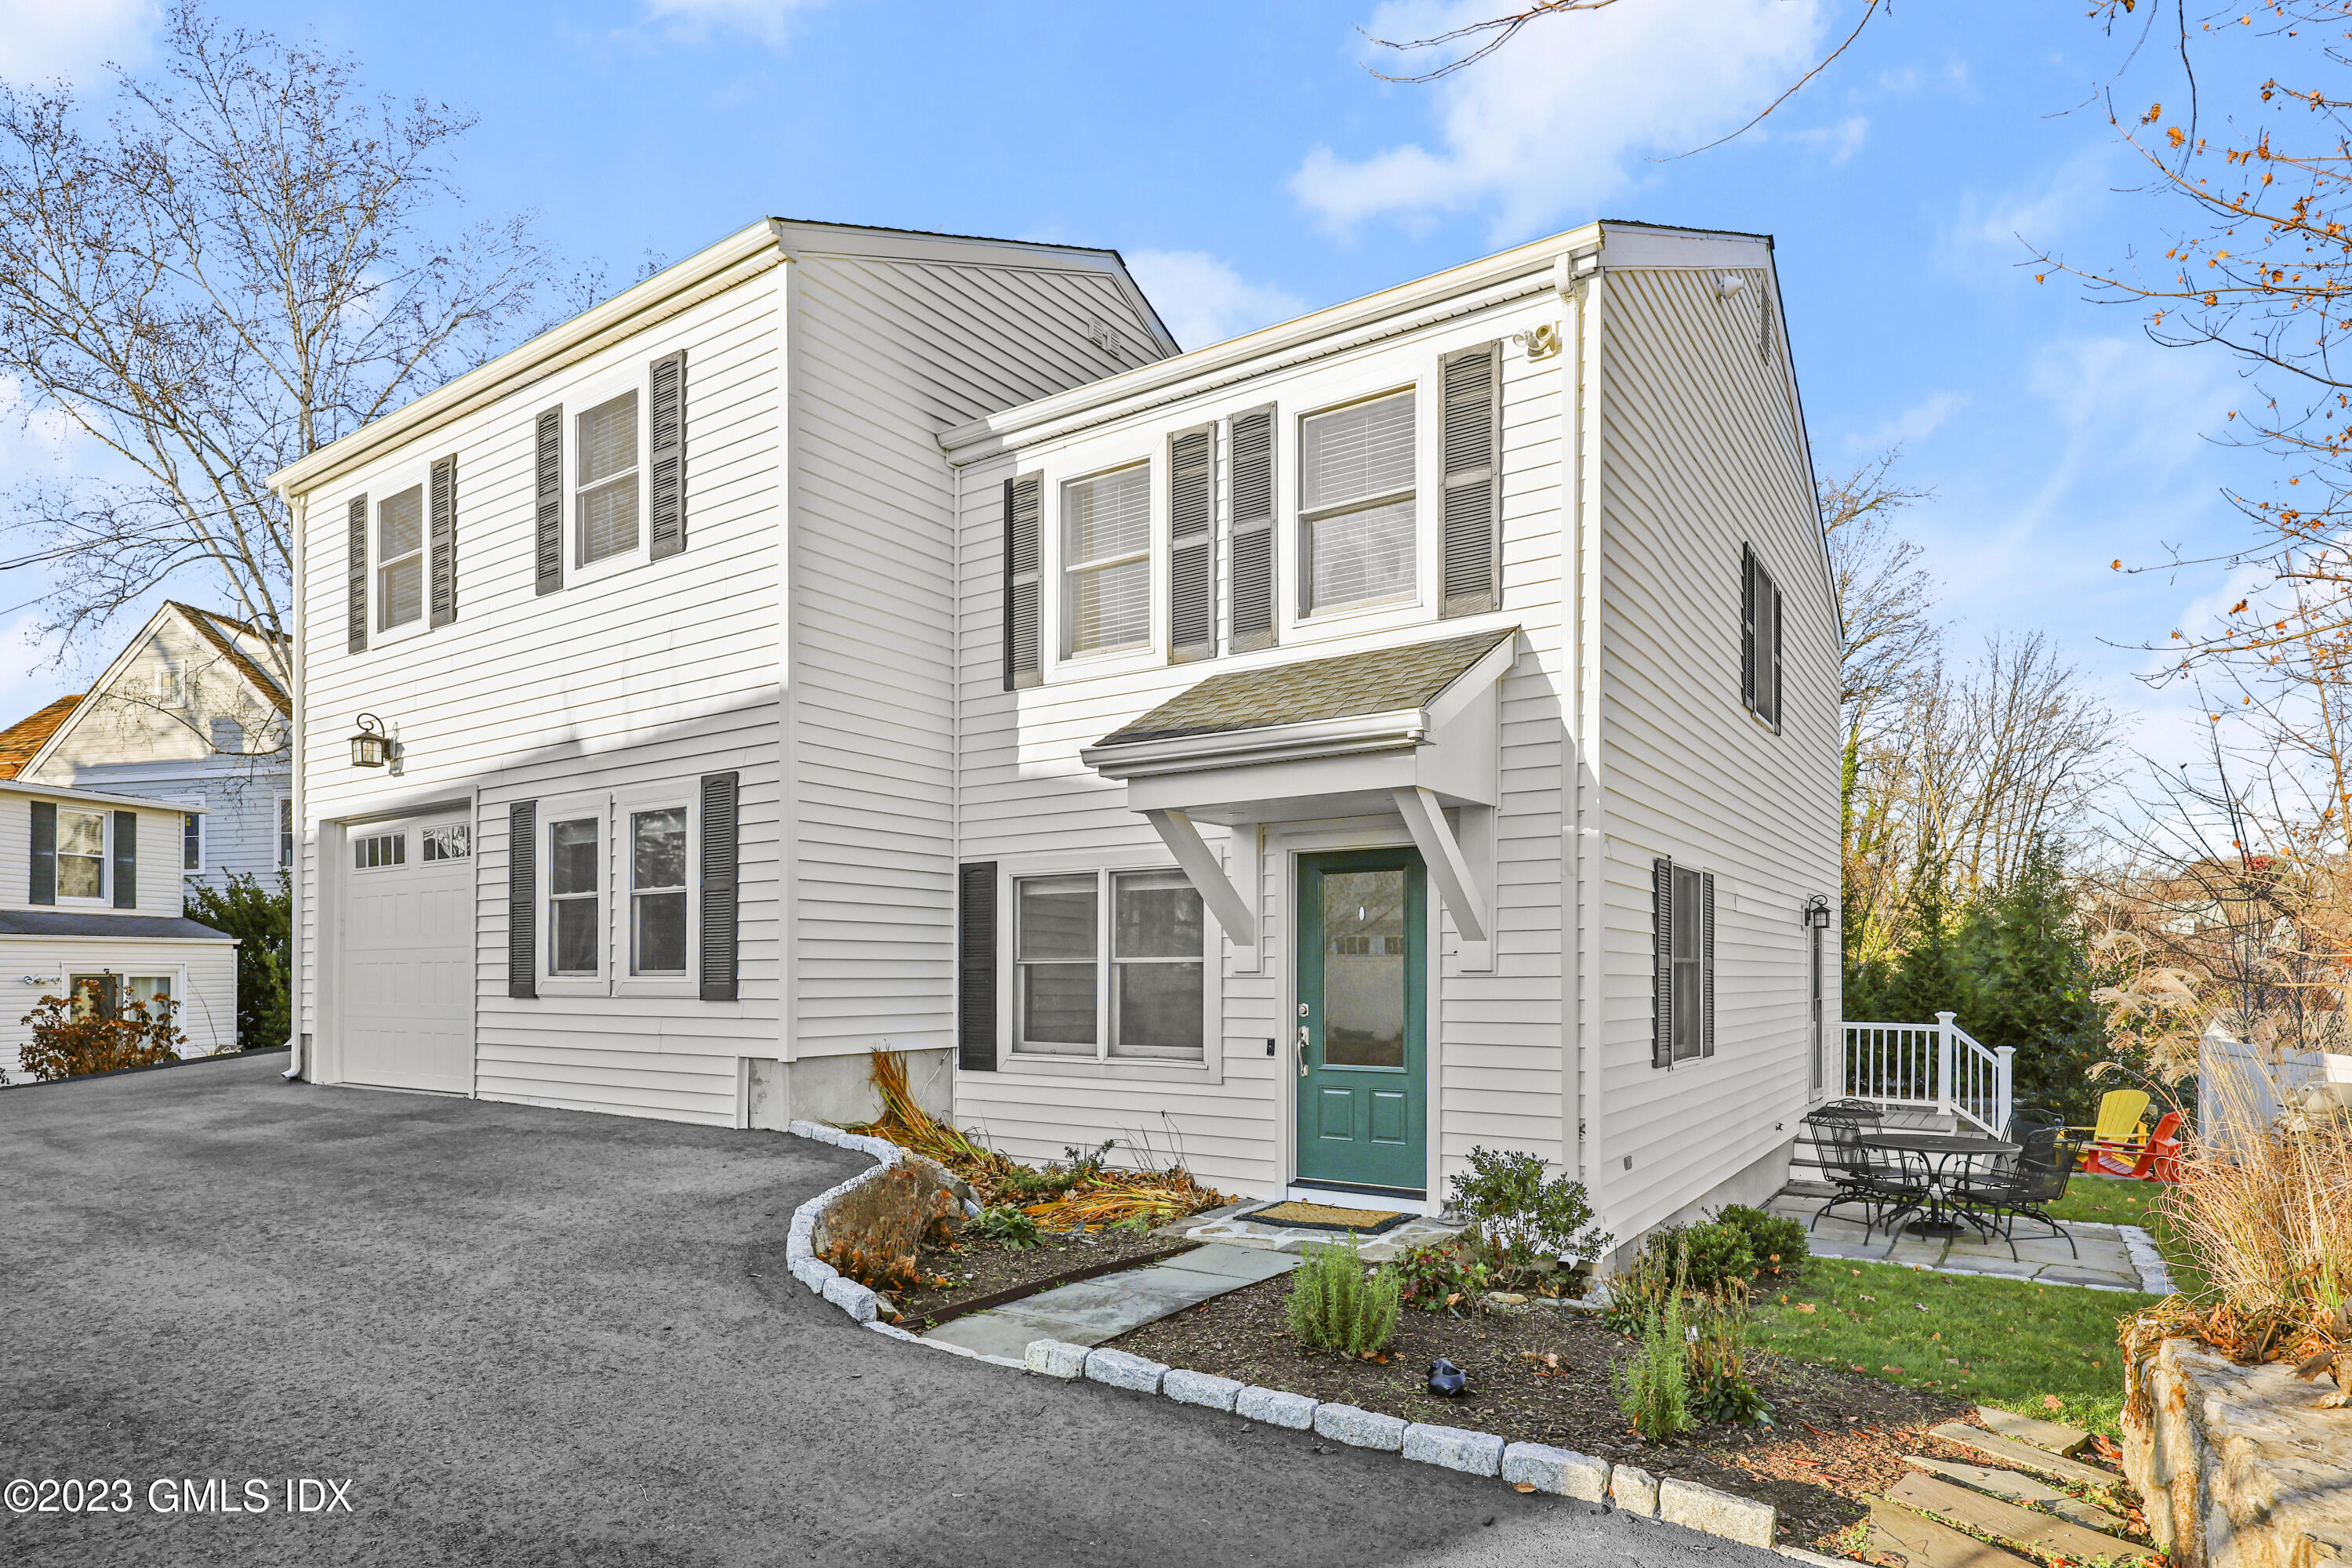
1383,680
19,742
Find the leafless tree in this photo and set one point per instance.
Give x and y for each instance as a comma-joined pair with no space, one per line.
231,272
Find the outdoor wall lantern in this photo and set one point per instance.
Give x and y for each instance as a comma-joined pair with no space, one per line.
370,748
1817,913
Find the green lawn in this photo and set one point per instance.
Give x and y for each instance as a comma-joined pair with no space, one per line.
2112,1200
2000,1342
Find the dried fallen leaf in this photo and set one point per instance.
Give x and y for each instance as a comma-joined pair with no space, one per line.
2052,1402
1805,1306
1523,1486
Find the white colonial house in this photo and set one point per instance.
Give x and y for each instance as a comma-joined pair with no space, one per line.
1407,728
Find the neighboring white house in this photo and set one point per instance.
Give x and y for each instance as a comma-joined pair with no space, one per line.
90,910
194,710
1410,727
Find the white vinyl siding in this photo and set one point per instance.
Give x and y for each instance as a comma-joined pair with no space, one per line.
1357,514
1701,448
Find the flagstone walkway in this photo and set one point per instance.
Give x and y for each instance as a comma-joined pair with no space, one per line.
1093,1311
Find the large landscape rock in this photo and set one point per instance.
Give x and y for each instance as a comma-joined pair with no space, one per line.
2238,1467
1697,1507
1563,1472
1359,1428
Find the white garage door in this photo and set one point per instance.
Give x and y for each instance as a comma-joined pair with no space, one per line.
407,992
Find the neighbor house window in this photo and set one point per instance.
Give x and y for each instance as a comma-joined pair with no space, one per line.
1357,504
571,900
607,503
81,854
400,559
286,831
658,891
1106,561
150,989
1110,966
171,690
1759,639
99,995
192,840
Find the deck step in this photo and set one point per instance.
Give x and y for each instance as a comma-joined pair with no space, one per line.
2039,1533
1917,1542
2019,1488
2033,1430
2025,1456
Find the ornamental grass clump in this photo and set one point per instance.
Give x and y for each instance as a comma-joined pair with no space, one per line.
1337,1303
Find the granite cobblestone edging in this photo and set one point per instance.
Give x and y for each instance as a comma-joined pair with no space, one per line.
1559,1471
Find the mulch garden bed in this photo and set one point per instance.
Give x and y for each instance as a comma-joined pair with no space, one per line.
1547,1376
975,1265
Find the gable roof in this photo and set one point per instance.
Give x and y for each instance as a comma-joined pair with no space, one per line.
21,741
232,638
714,269
1349,686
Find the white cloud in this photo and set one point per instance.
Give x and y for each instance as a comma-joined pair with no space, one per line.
1841,141
2039,215
43,39
1203,301
1916,423
769,21
1554,121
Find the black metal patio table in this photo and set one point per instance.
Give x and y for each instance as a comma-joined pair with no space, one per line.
1936,1151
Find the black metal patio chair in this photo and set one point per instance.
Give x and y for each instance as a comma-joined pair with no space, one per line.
1862,1175
1996,1200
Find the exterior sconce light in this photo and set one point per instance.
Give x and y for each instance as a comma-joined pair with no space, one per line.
370,748
1816,915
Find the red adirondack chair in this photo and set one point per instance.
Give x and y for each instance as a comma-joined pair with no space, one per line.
2157,1160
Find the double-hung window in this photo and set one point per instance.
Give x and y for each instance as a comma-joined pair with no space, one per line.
1682,938
657,892
192,840
574,889
605,502
171,690
1760,637
1359,534
1106,561
81,854
400,559
1110,966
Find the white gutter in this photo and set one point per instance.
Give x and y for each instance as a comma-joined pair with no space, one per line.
98,797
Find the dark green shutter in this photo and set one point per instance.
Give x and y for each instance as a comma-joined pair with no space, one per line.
976,966
356,566
548,470
721,887
126,859
1474,480
1775,714
665,453
1250,452
522,899
1662,947
442,570
44,890
1193,544
1706,961
1024,633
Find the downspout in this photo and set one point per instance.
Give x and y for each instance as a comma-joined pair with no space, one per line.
1582,273
296,967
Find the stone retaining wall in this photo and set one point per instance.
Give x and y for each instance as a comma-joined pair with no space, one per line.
2238,1467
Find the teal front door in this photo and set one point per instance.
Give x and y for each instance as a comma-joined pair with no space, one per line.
1362,1041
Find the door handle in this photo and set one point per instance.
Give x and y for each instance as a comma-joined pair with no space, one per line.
1302,1051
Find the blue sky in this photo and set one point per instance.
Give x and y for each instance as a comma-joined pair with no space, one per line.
1249,167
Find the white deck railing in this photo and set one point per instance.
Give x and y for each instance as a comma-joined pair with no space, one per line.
1937,1066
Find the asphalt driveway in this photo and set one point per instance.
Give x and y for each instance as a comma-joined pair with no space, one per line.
513,1335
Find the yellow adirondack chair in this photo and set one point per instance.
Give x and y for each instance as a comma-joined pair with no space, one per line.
2119,1129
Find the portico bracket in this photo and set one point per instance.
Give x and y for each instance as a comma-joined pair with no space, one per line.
1234,915
1424,818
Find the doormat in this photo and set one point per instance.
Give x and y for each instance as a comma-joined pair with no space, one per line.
1324,1217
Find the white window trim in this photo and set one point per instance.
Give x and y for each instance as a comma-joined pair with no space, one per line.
594,392
1301,609
414,473
1102,1065
105,900
625,803
573,808
1148,650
